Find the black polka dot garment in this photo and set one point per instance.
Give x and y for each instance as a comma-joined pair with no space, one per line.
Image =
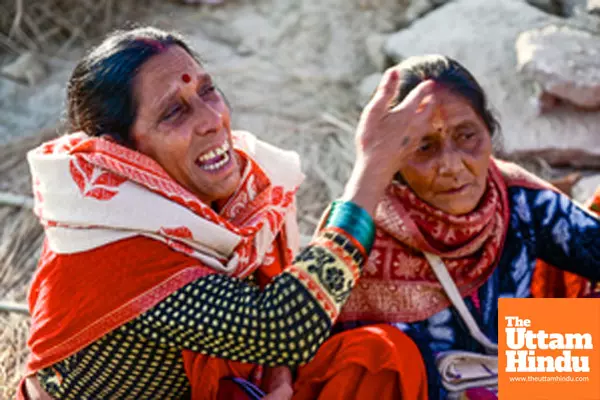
217,315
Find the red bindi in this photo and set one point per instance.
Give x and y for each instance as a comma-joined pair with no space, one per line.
186,78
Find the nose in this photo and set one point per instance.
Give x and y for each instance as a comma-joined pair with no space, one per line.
207,119
450,163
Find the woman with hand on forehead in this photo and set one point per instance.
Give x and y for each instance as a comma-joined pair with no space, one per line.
169,266
458,229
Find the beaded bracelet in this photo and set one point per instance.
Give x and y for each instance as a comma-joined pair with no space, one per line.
354,220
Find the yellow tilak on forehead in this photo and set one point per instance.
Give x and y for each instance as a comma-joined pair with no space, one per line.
437,119
189,89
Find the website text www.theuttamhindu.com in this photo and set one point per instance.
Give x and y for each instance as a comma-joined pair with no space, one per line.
549,379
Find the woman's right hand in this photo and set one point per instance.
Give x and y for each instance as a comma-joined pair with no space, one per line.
385,137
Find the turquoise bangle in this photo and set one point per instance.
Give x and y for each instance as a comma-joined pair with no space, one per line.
356,225
354,220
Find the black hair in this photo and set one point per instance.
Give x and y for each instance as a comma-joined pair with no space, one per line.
452,75
100,97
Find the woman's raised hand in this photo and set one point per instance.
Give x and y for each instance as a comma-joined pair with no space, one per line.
385,136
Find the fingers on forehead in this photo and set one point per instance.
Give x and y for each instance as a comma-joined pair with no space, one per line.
422,99
422,92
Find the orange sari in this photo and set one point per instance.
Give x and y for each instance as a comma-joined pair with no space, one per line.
372,362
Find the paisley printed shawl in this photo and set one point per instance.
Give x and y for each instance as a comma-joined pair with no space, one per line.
398,283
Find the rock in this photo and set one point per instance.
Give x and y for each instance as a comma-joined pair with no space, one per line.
571,7
416,9
550,6
579,17
221,31
543,101
374,47
367,88
26,69
564,61
593,6
244,50
586,188
318,39
476,33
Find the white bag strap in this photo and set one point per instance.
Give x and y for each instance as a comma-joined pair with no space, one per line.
441,272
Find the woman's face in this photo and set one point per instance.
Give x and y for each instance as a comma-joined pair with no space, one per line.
449,168
183,123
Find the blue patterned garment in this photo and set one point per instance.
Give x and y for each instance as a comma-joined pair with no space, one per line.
544,225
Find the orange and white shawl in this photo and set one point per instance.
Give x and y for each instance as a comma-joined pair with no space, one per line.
92,194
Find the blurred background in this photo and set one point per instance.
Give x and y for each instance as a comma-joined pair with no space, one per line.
297,73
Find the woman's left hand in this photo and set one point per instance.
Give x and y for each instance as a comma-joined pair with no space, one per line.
281,392
278,383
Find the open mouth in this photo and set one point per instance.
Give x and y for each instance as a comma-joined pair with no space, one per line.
215,160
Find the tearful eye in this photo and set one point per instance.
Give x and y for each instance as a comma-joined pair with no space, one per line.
172,113
206,90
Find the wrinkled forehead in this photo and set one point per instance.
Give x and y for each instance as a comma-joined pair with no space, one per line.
450,109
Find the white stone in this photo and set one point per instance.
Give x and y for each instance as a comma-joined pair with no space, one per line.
593,6
481,35
564,61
